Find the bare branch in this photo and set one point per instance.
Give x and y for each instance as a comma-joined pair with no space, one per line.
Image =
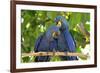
55,54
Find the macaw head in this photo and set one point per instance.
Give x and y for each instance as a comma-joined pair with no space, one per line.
58,21
53,32
61,21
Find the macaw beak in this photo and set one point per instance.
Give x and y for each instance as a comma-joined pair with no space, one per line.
56,34
59,23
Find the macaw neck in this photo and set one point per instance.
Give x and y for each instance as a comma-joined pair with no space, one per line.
64,27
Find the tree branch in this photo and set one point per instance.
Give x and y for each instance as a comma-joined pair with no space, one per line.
55,54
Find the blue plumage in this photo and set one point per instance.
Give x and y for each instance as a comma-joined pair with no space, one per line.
69,41
62,41
46,43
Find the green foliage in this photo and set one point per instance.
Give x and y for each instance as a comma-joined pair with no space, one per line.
34,23
55,58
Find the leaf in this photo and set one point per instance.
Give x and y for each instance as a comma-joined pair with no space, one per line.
75,18
78,50
25,59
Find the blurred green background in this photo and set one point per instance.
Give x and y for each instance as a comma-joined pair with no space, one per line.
35,22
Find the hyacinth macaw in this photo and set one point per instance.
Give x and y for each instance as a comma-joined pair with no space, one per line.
47,42
62,41
62,23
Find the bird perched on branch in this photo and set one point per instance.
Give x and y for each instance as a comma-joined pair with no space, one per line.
47,42
62,23
56,38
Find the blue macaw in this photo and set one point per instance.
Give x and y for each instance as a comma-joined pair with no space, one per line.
47,42
68,40
63,42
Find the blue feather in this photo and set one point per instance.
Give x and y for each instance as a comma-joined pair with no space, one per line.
46,43
70,43
63,43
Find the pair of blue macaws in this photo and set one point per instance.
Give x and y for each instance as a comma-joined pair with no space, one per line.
56,38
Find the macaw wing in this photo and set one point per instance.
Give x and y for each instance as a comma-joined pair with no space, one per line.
62,46
42,44
69,41
37,43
